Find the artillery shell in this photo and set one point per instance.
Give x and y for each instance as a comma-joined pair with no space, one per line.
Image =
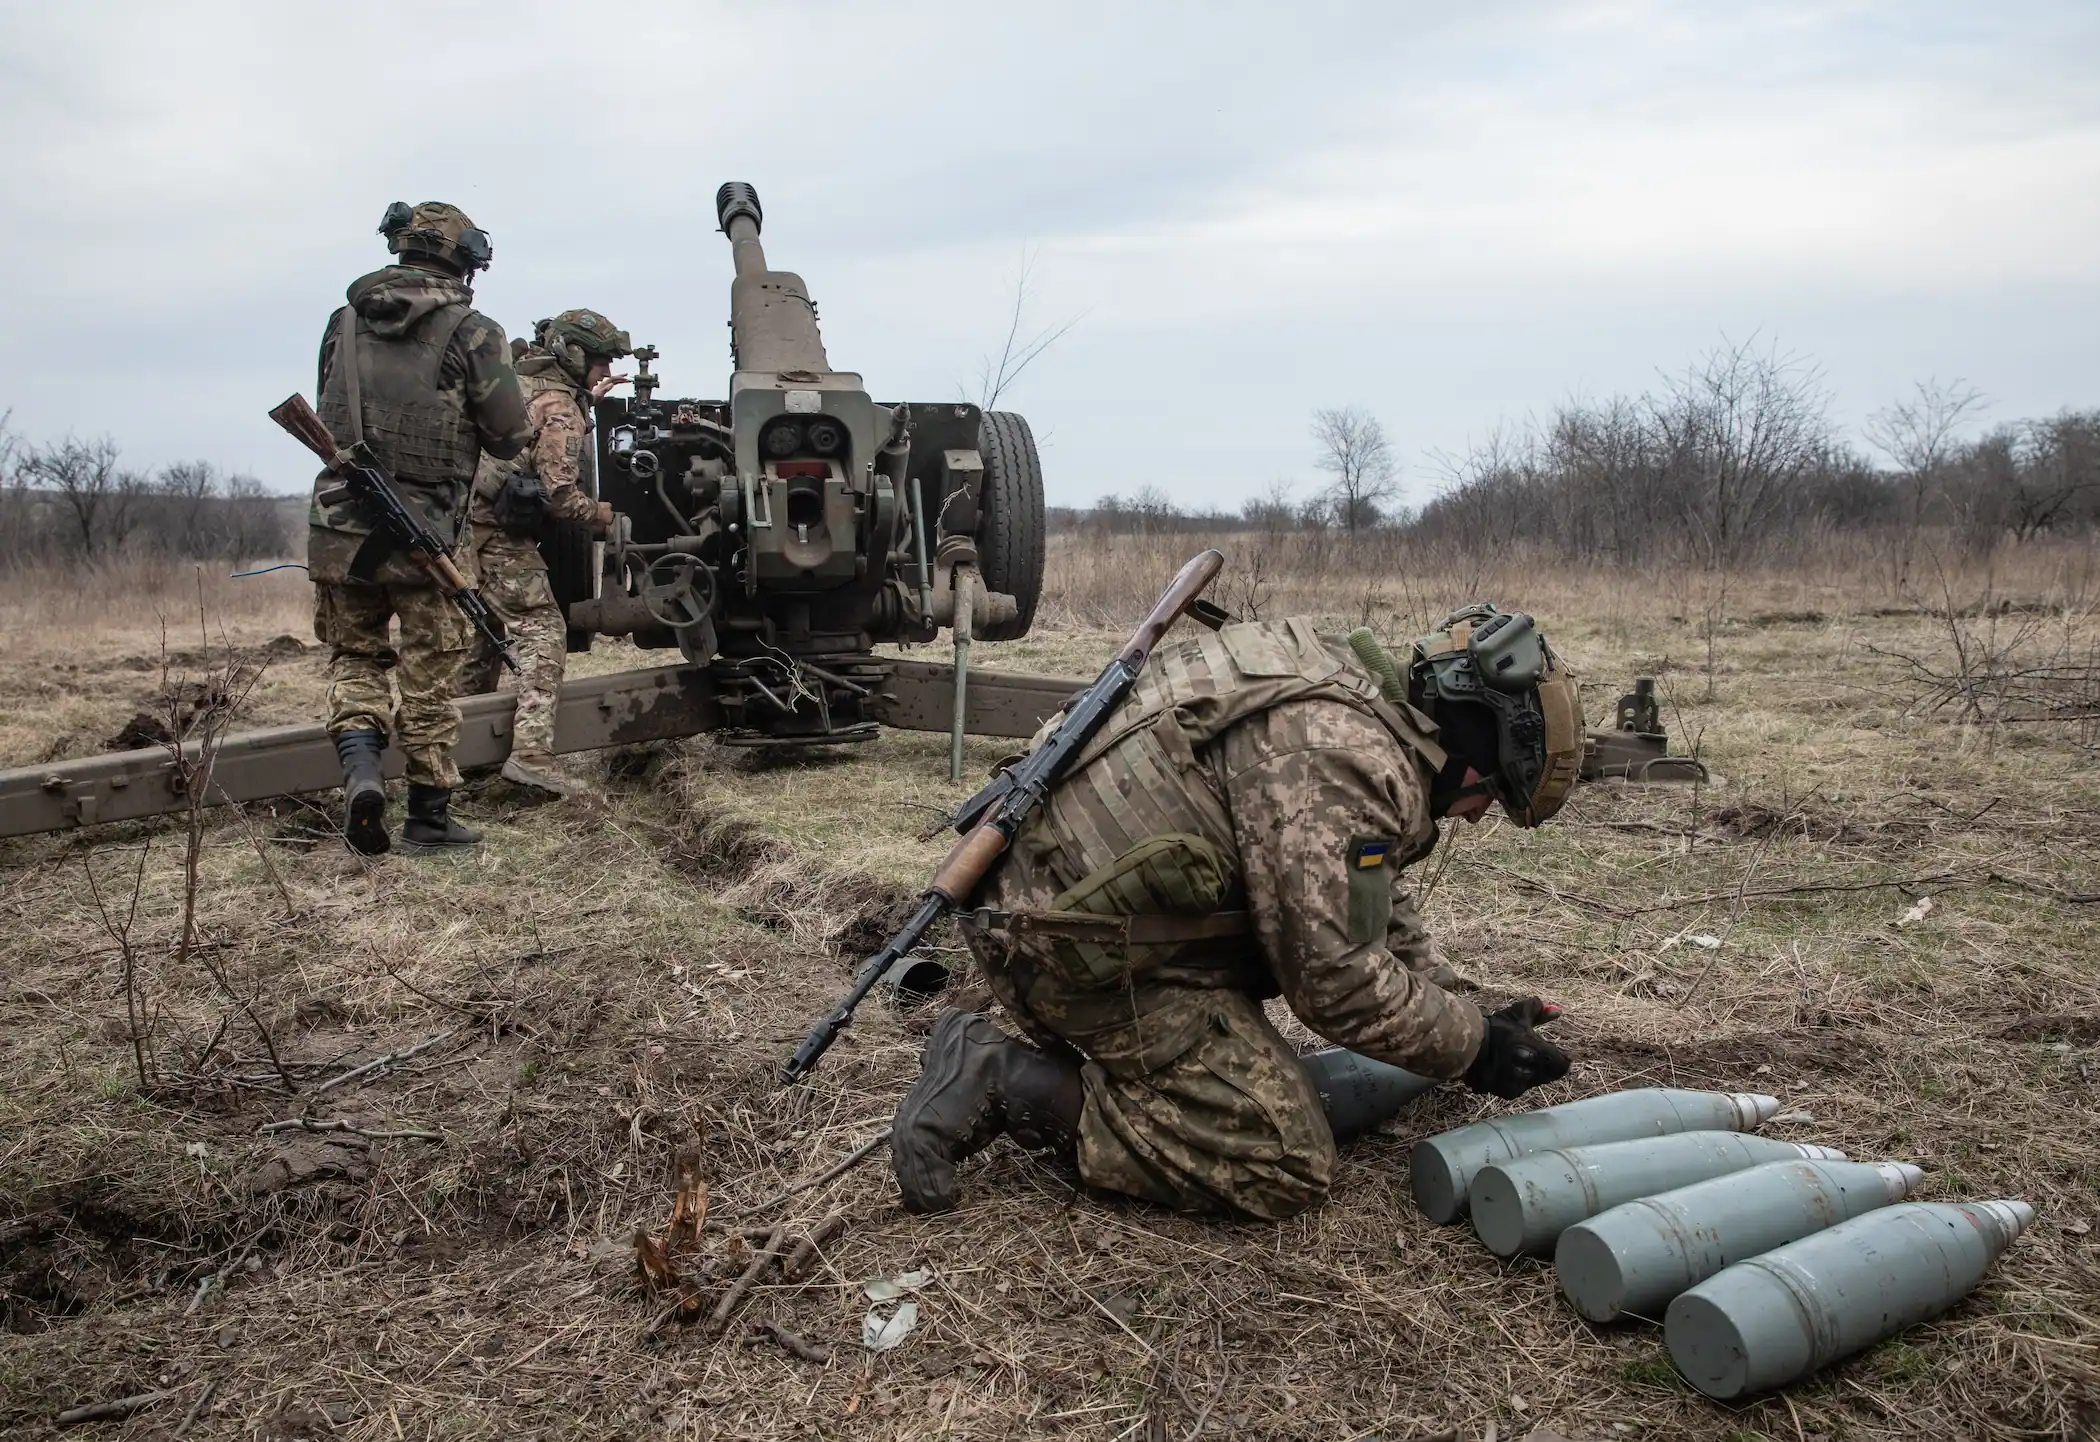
1442,1167
1525,1203
1358,1093
1765,1322
1634,1258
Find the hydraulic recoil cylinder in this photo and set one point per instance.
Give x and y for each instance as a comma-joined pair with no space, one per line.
1636,1257
1442,1167
1765,1322
1524,1204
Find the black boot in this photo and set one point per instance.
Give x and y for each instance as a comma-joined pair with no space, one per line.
364,790
430,822
976,1083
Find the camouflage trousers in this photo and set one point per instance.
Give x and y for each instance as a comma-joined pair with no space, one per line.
514,582
1193,1099
366,667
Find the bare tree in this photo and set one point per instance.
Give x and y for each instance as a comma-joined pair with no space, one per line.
1354,450
1920,433
1273,508
997,376
99,499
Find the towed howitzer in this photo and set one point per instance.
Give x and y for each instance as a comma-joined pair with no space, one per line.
991,820
778,536
365,481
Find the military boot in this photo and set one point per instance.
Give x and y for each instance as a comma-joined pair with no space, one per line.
976,1083
541,772
364,790
430,825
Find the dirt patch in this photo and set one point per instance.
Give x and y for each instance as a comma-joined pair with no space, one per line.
1731,1063
2075,1029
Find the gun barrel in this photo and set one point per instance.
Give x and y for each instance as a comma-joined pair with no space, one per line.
737,211
772,324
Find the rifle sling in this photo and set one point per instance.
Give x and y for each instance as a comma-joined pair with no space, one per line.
352,362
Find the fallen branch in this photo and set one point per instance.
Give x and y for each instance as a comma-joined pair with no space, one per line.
731,1299
392,1058
852,1159
197,1407
805,1253
774,1332
1546,888
308,1124
109,1411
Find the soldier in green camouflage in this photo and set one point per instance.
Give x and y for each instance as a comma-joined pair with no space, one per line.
1235,834
410,369
562,375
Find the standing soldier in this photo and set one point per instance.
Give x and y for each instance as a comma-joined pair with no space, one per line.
569,368
410,369
1235,833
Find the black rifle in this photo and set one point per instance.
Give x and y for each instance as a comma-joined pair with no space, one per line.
366,481
990,823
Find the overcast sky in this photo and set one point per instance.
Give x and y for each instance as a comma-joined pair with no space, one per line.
1452,215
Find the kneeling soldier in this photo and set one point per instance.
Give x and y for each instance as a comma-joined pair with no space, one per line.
1233,834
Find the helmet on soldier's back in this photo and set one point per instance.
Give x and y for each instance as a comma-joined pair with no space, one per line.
575,338
436,231
1505,704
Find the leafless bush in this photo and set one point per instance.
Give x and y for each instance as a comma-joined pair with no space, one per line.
77,499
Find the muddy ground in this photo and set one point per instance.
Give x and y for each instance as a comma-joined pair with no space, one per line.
601,995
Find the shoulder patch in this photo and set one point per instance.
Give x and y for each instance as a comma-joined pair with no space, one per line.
1368,851
1370,889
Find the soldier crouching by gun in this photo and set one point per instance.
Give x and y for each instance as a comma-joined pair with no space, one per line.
561,376
1234,832
414,377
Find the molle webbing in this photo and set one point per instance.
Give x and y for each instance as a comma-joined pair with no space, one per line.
416,428
1137,838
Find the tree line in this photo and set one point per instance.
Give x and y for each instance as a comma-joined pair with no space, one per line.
1729,459
77,499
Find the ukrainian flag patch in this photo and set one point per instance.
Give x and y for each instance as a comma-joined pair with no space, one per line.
1370,889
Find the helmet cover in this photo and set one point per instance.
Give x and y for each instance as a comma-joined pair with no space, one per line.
436,229
1498,662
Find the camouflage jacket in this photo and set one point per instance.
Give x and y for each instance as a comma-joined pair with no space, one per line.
1255,775
559,412
432,434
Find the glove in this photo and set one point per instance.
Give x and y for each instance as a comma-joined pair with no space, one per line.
1513,1058
602,523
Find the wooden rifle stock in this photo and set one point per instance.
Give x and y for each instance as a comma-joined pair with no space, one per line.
308,429
1029,782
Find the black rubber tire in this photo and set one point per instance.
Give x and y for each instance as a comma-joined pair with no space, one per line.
1010,520
566,548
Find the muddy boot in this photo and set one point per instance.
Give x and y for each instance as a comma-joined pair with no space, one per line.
976,1083
430,825
364,790
541,772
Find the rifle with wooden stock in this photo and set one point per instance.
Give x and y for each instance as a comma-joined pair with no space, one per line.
366,481
995,816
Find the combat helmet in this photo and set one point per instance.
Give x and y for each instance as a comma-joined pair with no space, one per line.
1497,664
575,338
439,231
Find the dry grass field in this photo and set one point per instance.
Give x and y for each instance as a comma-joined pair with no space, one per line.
605,989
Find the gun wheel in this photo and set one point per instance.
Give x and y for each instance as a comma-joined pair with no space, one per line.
1010,530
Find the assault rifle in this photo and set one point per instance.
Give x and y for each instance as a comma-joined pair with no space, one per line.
365,480
991,820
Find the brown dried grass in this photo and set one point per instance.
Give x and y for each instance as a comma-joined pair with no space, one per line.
620,980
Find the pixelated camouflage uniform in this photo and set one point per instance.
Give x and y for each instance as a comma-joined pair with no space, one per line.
513,573
437,390
1248,809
